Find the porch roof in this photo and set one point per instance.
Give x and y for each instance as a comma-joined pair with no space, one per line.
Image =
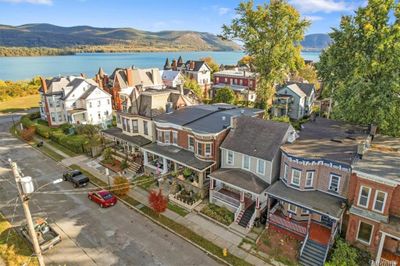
316,201
368,214
76,111
178,155
393,227
117,132
241,179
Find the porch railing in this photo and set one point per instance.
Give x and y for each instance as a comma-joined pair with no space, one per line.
226,198
304,244
384,262
237,212
251,222
284,223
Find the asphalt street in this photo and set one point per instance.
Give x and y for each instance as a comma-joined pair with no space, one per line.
90,235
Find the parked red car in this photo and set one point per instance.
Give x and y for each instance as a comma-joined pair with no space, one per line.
103,197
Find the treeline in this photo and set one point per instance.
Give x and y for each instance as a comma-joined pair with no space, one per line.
35,51
11,89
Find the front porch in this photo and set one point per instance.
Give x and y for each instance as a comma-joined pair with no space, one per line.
77,116
388,250
239,191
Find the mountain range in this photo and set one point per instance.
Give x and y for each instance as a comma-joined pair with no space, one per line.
121,39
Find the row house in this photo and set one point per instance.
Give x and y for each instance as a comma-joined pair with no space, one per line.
294,99
309,200
250,162
374,198
188,141
135,126
242,82
193,69
74,100
122,80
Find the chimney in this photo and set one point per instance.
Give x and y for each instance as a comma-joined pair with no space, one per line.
83,75
180,87
372,130
234,122
191,67
44,85
360,149
174,64
129,77
152,76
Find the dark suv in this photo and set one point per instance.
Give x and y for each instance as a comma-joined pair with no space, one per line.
76,178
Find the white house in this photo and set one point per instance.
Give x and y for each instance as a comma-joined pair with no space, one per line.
74,100
171,78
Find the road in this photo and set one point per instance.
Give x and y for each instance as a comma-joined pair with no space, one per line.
90,235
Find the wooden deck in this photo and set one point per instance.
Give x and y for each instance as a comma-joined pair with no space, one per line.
389,256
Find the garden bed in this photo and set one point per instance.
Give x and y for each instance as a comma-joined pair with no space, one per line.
115,165
221,214
185,200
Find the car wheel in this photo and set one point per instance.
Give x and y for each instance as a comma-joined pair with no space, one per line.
102,205
89,197
65,179
75,185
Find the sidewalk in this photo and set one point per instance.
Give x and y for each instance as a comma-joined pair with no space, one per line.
47,145
195,222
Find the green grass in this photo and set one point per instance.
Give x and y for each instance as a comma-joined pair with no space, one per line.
20,104
62,148
147,181
14,250
175,208
50,153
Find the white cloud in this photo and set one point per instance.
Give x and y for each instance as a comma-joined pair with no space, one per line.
326,6
223,10
35,2
313,18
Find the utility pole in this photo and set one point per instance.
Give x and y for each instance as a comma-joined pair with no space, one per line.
25,205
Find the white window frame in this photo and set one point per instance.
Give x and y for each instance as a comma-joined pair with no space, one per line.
227,157
291,211
359,196
285,172
305,211
291,181
207,154
383,203
358,231
243,160
312,179
191,148
197,148
258,167
167,140
330,183
160,137
175,137
145,127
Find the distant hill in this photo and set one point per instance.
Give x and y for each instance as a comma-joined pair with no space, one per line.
316,42
52,36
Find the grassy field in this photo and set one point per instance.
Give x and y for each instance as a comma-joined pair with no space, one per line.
14,250
19,104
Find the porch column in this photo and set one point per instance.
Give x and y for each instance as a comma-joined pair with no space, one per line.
309,222
201,179
242,205
145,158
165,165
268,211
258,205
175,167
211,190
332,232
380,247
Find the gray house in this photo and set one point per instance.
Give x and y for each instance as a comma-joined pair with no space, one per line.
294,99
250,162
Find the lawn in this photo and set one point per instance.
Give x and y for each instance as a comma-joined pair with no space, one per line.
19,104
14,250
144,182
221,214
175,208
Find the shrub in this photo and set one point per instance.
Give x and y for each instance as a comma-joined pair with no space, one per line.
343,254
221,214
121,186
43,131
187,172
158,201
26,121
27,133
107,155
225,95
124,165
284,119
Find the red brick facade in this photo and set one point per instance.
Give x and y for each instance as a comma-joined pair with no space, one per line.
228,80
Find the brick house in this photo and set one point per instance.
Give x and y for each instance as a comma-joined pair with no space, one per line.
308,201
188,140
250,162
242,82
374,195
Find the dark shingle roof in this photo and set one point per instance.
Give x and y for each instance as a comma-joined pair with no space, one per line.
197,65
256,137
240,178
117,132
307,88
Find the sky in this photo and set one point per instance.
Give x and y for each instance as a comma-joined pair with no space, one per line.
157,15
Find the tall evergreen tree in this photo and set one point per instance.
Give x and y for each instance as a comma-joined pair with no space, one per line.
361,67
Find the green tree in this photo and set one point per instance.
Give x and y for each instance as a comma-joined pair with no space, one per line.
224,95
343,255
211,63
271,35
309,73
360,70
194,86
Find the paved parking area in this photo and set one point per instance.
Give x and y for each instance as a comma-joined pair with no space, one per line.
91,235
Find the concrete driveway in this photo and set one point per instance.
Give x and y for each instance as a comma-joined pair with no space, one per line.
90,235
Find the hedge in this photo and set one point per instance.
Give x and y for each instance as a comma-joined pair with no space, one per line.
43,131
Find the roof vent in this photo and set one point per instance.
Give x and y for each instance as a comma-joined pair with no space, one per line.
336,140
223,118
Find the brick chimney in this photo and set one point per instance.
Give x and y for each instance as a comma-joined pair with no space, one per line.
174,64
129,77
191,67
83,75
180,86
44,85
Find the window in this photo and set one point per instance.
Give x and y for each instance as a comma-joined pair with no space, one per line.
208,150
174,137
305,212
134,125
364,232
60,116
108,101
363,198
285,172
334,183
145,128
296,175
199,148
229,157
246,162
98,103
191,143
260,166
167,136
292,208
53,117
159,136
309,179
379,202
90,104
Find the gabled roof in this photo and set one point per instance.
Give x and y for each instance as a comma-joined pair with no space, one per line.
300,88
294,88
197,65
307,88
169,74
257,137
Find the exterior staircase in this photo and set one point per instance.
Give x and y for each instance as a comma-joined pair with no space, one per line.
313,254
133,166
245,216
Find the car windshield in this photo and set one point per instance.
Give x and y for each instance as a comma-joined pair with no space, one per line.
107,196
76,173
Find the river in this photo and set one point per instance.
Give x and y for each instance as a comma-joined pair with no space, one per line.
19,68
